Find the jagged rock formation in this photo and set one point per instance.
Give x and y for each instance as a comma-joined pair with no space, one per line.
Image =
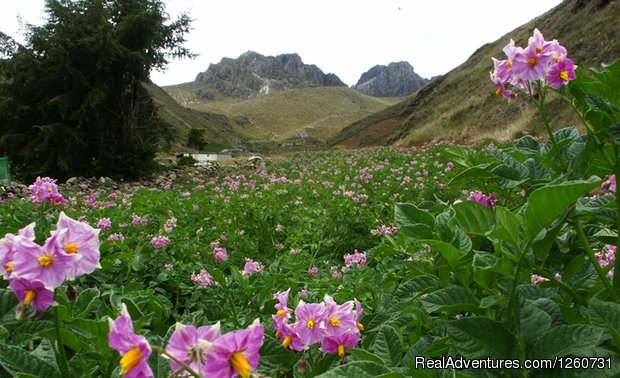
253,74
394,80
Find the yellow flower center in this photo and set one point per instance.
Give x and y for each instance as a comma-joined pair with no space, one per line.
334,321
71,248
287,341
9,266
240,364
311,324
557,58
509,64
531,62
45,260
130,360
281,312
538,50
341,350
360,326
277,334
499,91
563,75
30,296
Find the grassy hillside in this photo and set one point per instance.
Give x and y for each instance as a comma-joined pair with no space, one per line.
308,116
218,131
462,104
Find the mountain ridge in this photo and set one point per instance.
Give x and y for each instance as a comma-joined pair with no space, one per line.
252,74
397,79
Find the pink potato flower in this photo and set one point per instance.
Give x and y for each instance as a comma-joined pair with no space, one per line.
561,73
310,322
7,251
251,267
340,318
235,353
47,263
189,345
338,344
45,190
541,62
80,239
32,292
483,199
283,313
134,349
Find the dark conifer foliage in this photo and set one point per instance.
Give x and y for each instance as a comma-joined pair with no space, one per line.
72,101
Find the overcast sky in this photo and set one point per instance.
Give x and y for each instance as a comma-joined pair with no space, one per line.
344,37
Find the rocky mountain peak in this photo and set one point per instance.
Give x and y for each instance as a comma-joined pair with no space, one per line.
394,80
252,73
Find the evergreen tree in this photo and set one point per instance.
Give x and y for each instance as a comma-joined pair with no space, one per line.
72,102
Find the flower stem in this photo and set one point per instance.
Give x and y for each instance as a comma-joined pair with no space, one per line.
597,267
545,118
61,357
188,369
513,291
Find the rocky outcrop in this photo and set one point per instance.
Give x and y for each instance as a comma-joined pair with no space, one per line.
253,74
393,80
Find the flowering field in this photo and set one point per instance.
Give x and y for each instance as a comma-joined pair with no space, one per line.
426,261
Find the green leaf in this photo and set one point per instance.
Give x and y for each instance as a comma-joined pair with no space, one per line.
391,374
484,260
479,172
462,241
448,251
85,302
451,299
507,226
387,346
529,143
417,231
416,286
534,322
492,300
614,133
30,330
45,351
537,171
511,173
606,315
7,301
364,355
547,203
274,356
477,337
591,206
16,360
474,218
95,330
406,214
356,369
563,340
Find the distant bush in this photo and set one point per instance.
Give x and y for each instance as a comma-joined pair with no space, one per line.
186,161
196,139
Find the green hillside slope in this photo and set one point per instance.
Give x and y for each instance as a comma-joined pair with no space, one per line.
308,116
462,104
218,131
